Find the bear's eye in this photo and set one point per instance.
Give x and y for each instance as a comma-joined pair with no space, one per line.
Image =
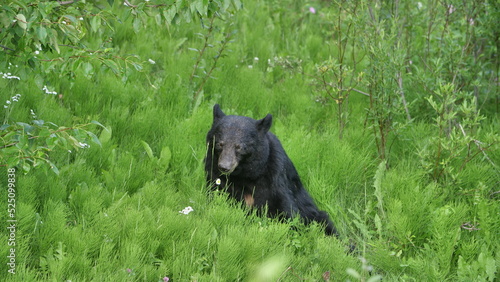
219,145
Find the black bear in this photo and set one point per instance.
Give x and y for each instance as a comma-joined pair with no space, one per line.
247,161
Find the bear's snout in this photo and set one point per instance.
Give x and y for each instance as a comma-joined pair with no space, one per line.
227,162
226,167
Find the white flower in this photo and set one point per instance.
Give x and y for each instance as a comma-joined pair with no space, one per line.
37,52
81,18
83,145
451,9
47,91
9,76
250,66
419,5
218,181
7,102
186,210
256,59
151,62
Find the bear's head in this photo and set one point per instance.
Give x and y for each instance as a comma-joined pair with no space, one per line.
238,145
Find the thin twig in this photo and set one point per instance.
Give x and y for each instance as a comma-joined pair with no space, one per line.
469,226
402,92
67,2
127,3
7,48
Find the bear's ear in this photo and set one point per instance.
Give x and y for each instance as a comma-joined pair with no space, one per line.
263,125
218,113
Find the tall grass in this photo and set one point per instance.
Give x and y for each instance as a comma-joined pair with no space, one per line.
113,212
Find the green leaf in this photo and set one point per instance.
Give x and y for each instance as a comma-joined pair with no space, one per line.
12,161
53,167
71,18
26,167
88,69
22,142
158,19
148,149
95,23
94,138
38,122
105,135
169,14
137,66
137,24
237,4
165,157
41,32
21,21
115,68
98,123
45,132
53,41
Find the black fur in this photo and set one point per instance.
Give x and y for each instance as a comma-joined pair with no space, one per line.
248,162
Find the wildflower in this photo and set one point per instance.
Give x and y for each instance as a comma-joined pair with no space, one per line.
218,181
166,279
37,52
312,10
32,114
14,98
256,59
47,91
186,210
83,145
9,76
419,5
81,18
451,9
250,66
151,62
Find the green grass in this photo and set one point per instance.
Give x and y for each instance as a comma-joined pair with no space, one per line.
113,212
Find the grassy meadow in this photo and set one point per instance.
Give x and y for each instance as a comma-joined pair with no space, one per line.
411,181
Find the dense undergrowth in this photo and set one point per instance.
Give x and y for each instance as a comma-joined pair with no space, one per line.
388,111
